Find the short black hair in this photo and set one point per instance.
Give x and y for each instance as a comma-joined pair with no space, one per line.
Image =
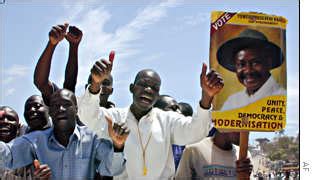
160,102
11,109
185,109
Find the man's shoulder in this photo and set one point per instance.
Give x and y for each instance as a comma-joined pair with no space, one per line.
204,142
39,134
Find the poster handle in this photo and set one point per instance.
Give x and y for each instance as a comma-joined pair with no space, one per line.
243,153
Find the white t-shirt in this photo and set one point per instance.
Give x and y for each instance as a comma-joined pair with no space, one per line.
204,160
167,128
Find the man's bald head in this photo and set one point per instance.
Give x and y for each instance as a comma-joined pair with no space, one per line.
150,73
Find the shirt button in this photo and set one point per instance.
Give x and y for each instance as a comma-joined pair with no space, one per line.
66,166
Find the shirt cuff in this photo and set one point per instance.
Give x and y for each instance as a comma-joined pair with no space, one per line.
206,115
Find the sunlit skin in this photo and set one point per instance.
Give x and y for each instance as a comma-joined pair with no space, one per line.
63,112
36,113
145,91
9,124
252,68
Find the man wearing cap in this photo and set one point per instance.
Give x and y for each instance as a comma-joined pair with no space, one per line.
251,56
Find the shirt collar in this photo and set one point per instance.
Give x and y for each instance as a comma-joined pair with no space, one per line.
147,117
76,133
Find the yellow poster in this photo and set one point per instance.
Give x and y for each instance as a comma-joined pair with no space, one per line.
249,51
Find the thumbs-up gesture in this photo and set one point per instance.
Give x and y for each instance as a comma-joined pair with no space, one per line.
211,84
57,33
100,71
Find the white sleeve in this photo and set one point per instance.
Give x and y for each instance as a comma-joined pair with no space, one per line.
88,106
91,114
188,130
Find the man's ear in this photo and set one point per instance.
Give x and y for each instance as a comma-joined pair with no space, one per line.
131,87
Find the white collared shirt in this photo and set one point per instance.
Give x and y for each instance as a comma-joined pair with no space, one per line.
240,99
167,128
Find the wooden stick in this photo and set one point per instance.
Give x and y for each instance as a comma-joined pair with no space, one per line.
243,153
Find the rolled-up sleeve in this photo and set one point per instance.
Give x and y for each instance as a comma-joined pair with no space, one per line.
111,163
188,130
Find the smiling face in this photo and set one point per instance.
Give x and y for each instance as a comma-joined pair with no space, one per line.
252,68
145,90
36,113
63,110
9,124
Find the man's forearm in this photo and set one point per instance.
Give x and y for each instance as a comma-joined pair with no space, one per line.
42,69
206,100
71,73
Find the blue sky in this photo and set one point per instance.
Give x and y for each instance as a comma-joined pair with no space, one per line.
171,37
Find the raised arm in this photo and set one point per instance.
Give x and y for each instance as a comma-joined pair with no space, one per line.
211,84
42,70
74,37
89,103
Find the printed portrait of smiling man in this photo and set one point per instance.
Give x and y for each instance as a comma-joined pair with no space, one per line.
251,56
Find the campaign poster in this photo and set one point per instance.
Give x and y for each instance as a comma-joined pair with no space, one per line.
249,51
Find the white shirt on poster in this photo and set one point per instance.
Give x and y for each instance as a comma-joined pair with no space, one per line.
240,99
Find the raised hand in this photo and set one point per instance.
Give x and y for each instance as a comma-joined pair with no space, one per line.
74,35
117,132
57,33
211,82
100,71
41,171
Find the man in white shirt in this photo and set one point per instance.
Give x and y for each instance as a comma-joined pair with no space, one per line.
213,158
251,56
148,148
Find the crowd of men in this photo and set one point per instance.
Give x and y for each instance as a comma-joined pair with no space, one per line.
87,137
